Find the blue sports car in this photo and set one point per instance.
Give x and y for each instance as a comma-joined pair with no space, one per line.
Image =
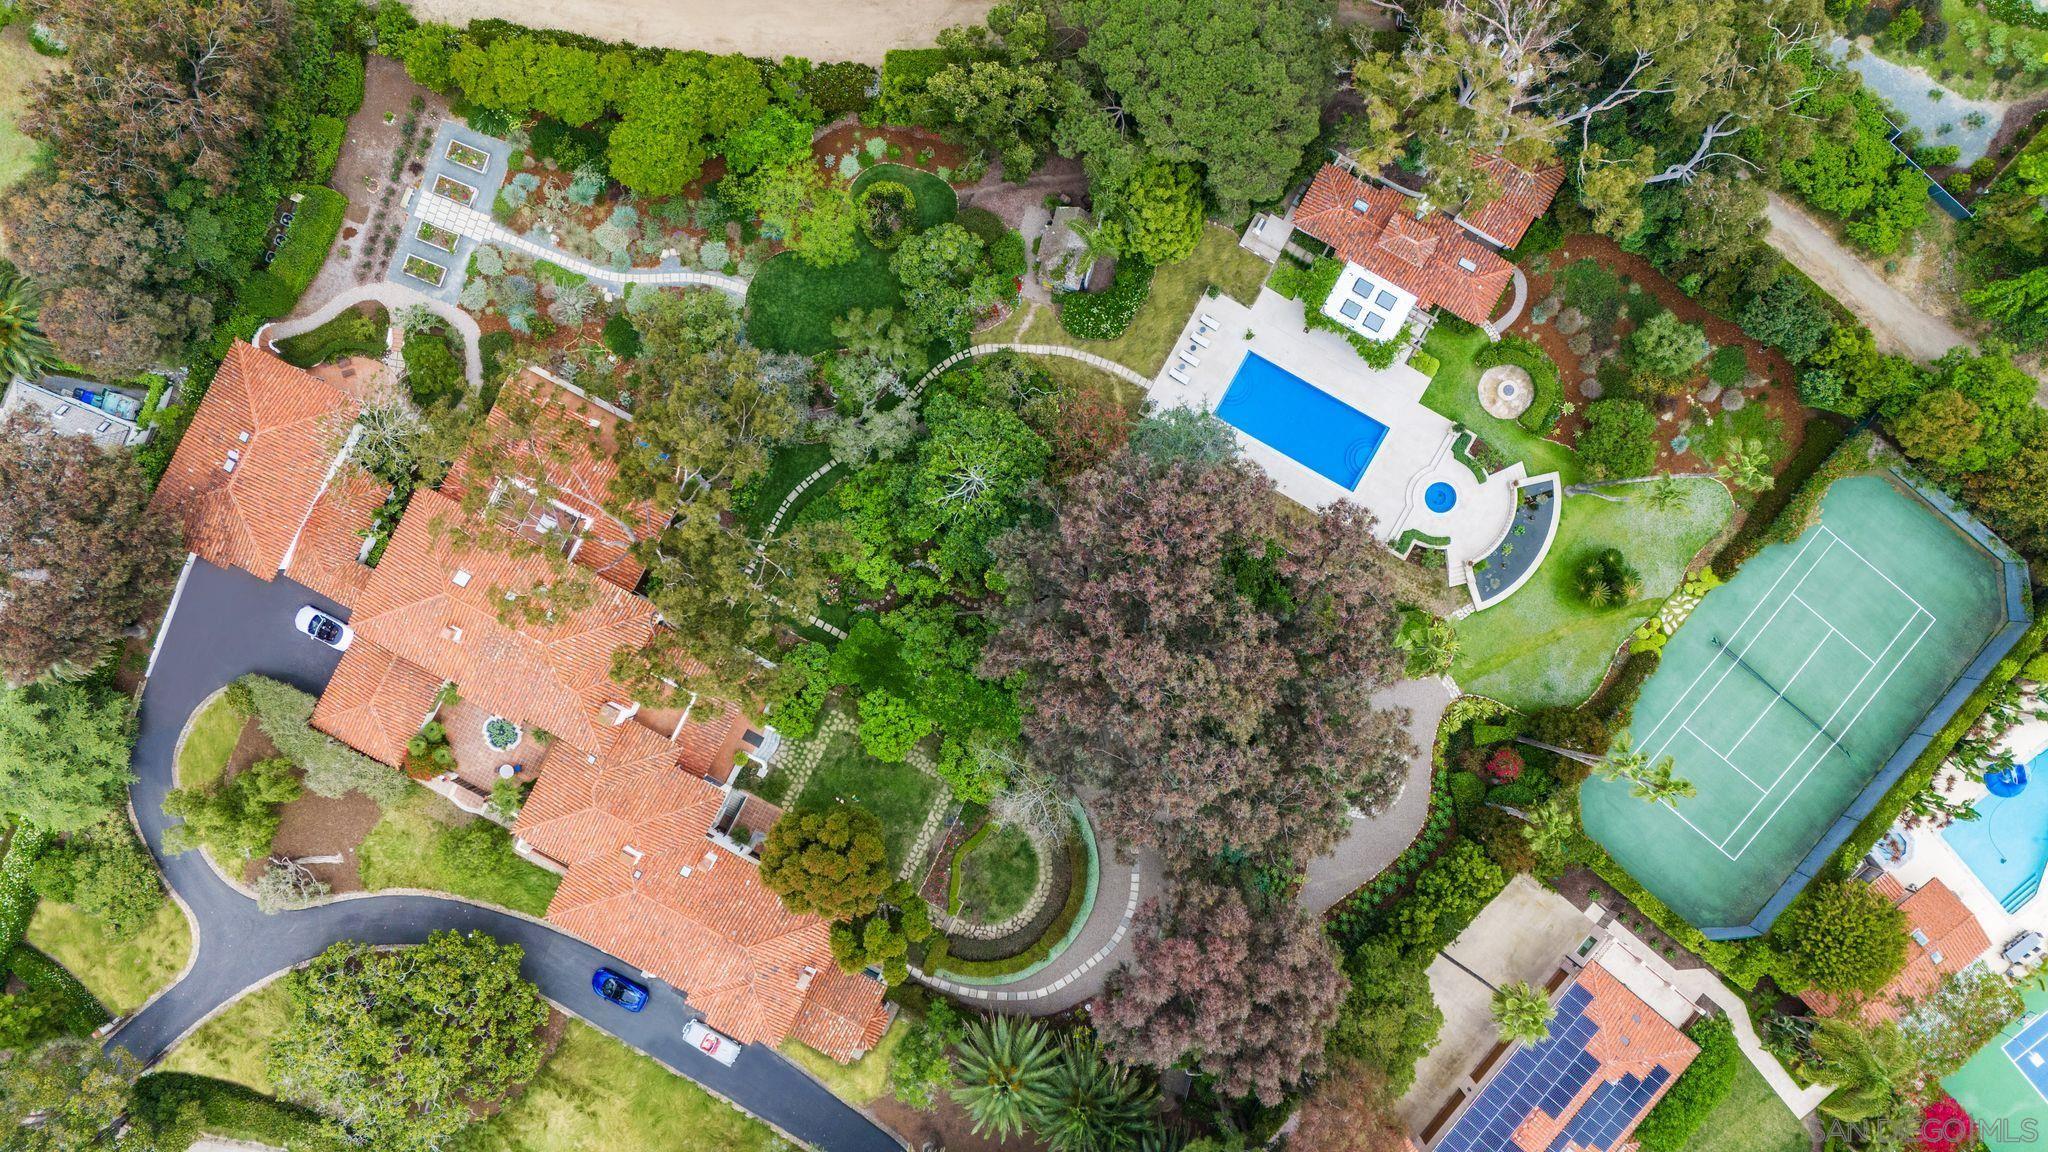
628,994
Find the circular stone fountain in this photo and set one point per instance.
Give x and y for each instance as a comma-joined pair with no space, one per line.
1440,497
1505,391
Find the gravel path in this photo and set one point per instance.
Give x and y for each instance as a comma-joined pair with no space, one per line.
1900,325
392,296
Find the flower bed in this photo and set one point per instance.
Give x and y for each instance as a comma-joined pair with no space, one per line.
474,159
501,734
453,189
436,236
421,268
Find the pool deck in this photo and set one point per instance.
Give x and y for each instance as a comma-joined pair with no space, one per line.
1415,453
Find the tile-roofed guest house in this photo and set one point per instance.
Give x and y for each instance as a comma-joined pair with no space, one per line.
1944,937
1522,197
1608,1059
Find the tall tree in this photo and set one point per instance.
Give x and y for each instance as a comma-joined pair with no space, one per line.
1236,86
82,553
1247,993
1205,659
399,1046
1654,783
1522,1012
833,864
1093,1104
63,753
1350,1110
67,1096
1005,1071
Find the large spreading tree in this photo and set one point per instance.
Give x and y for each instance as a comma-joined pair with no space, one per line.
63,753
833,864
1245,992
1204,659
398,1046
82,553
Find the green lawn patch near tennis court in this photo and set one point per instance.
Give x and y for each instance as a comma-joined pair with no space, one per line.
1996,1094
1750,1118
1454,392
1545,645
1789,688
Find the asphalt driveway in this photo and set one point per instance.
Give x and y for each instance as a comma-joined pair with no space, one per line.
227,623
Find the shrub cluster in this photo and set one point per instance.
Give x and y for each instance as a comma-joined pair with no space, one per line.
1106,314
888,213
304,249
332,769
1699,1089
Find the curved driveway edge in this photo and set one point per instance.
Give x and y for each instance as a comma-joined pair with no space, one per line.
229,623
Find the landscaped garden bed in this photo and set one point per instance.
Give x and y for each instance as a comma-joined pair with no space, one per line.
453,189
436,236
425,270
474,159
994,875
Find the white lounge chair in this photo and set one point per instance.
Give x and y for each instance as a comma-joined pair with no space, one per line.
1177,376
1189,360
1200,339
1209,321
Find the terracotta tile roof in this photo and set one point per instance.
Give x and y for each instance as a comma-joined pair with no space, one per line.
1954,939
839,1013
376,701
586,805
573,453
325,556
1524,197
293,425
553,676
1384,237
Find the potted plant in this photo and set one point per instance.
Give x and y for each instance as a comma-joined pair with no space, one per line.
501,734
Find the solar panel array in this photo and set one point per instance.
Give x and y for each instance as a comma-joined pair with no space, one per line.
1547,1076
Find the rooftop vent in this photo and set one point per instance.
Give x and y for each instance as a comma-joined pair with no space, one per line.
234,458
1935,956
1920,937
684,871
804,978
1466,263
1361,206
452,633
243,437
460,579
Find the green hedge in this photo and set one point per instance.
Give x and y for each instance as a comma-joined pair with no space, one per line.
1824,440
1698,1090
17,899
79,1012
176,1108
304,250
352,333
1054,935
1104,315
1546,408
1617,701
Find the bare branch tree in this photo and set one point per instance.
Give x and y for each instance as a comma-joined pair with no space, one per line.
1727,125
288,884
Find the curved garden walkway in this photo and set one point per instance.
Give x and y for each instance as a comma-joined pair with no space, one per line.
392,296
1102,362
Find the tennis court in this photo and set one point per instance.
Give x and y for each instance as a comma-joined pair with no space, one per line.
1788,689
2003,1088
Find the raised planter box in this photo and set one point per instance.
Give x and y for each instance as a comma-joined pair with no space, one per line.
474,159
435,236
421,268
450,188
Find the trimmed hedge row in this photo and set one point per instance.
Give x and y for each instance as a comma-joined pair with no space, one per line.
1823,439
306,243
79,1012
177,1107
1546,408
1698,1090
17,899
1054,935
1106,314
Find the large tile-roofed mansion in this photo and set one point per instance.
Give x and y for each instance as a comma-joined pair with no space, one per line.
455,623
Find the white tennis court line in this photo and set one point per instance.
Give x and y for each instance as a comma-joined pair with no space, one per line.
1780,697
1918,610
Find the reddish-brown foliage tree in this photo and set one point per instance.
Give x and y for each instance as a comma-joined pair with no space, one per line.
1250,992
1204,658
81,553
1087,429
1504,765
1349,1111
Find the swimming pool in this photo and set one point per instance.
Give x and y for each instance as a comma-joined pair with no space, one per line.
1315,429
2007,845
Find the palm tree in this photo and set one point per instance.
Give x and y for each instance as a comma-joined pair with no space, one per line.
1872,1069
1747,464
1522,1012
1658,783
1664,494
1549,833
1094,1105
1004,1071
24,350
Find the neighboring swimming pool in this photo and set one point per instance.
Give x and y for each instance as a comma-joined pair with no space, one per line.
1315,429
2007,845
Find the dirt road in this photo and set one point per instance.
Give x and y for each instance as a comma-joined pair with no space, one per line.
1900,325
839,30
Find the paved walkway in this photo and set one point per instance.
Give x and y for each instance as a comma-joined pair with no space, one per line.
227,623
1900,325
445,213
1376,841
393,296
1102,362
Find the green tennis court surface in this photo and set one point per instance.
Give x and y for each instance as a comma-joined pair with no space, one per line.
1788,689
2001,1086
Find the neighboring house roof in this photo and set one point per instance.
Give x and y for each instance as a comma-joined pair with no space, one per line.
438,604
253,459
51,399
1609,1057
1945,939
328,556
1524,197
376,701
1374,227
569,446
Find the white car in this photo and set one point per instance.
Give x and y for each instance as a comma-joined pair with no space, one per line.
723,1049
324,628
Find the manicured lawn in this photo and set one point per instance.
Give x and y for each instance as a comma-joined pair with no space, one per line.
858,1082
997,874
209,743
405,850
900,795
232,1045
791,305
596,1093
20,67
122,973
1176,289
786,469
358,331
1750,1118
1544,645
1454,392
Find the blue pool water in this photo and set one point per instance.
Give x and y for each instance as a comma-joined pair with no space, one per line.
1281,410
2007,845
1440,497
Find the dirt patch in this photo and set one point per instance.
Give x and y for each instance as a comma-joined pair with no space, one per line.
946,1126
250,747
1059,178
910,147
1771,374
317,826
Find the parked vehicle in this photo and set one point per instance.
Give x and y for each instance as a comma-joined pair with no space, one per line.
721,1048
324,628
627,993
